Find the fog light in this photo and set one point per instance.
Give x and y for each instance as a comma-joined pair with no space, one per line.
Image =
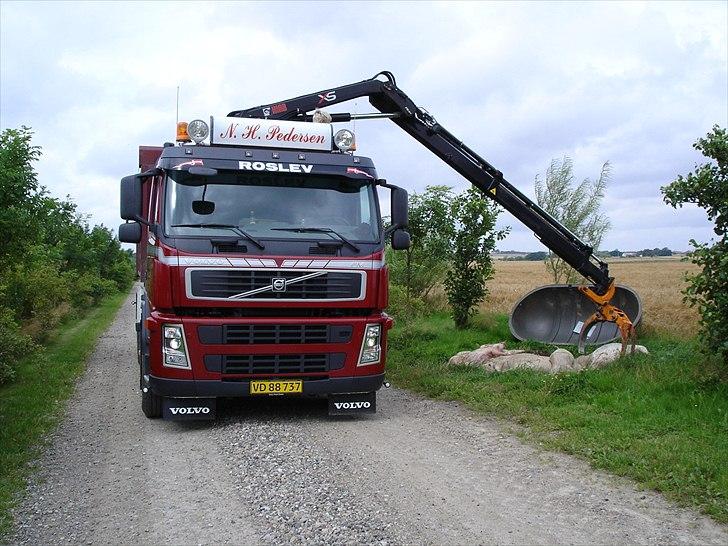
175,361
371,348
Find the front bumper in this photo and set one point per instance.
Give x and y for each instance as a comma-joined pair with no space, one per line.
216,388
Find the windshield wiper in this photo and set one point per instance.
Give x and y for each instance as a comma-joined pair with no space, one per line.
233,227
330,231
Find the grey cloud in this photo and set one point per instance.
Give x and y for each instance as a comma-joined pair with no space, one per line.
634,84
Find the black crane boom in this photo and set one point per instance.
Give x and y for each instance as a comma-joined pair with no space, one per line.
385,96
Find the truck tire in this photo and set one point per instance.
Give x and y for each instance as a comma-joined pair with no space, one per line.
151,405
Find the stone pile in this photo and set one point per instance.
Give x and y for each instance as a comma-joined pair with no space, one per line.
495,358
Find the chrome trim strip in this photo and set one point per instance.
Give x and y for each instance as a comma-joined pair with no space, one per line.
168,260
258,263
362,288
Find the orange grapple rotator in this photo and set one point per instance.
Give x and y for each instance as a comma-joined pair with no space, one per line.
606,312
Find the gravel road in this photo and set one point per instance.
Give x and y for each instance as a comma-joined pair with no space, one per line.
276,471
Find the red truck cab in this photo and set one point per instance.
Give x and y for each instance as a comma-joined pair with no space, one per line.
261,252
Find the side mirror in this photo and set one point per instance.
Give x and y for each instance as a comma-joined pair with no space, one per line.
130,233
400,239
399,207
131,198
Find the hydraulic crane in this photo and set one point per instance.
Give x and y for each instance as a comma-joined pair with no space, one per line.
393,103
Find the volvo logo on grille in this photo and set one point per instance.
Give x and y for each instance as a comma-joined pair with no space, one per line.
278,284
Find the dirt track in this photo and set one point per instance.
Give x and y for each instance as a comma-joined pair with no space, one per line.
277,471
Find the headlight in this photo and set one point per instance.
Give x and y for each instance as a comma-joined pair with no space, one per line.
173,332
371,348
344,140
198,130
174,347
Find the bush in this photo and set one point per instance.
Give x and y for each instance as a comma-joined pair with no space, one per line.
34,288
88,289
474,217
122,270
13,345
404,308
707,187
51,261
423,265
452,237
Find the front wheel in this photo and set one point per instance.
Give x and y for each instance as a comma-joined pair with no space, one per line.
151,404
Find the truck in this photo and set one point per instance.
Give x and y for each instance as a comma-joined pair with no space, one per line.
260,247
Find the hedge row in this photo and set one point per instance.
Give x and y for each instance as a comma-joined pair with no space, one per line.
52,263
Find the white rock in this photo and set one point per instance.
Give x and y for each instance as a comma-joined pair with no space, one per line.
606,354
561,361
460,359
479,356
495,358
582,362
518,361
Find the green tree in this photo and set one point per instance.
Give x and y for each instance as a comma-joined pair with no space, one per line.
535,256
474,237
574,206
707,187
422,267
19,193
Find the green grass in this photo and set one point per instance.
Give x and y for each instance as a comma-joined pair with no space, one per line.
31,406
661,419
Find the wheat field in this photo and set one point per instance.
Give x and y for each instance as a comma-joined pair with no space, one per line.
658,281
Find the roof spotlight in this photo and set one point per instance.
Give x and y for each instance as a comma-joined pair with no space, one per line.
198,130
344,140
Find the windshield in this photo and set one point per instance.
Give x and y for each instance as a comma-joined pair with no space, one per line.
269,205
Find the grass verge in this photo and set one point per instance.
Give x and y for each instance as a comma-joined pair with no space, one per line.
31,406
660,419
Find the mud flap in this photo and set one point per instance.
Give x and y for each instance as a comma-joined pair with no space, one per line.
188,409
352,404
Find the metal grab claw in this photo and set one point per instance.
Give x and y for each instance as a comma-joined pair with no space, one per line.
606,312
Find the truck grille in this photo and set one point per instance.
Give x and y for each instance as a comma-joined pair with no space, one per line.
265,334
252,284
276,334
274,364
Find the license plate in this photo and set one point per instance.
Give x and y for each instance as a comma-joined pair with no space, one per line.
290,386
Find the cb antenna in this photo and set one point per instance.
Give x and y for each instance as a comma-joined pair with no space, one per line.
176,121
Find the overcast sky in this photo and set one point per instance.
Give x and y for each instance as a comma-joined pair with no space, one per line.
631,83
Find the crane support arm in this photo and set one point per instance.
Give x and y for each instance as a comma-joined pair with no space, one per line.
385,96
